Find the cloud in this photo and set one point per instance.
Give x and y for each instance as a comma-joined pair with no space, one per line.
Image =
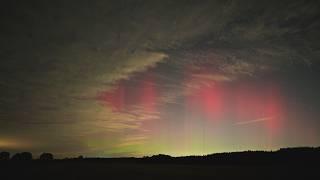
57,57
133,140
253,121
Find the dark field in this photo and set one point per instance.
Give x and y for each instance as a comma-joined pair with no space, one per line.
135,170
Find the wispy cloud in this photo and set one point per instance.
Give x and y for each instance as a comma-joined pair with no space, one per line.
253,121
133,140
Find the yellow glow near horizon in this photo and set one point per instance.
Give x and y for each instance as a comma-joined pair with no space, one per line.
12,144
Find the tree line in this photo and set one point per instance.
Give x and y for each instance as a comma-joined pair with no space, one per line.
24,156
282,156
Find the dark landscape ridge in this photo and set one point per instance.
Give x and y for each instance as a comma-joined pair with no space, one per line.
285,163
281,156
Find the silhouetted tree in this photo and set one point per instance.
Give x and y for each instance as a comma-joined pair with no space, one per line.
161,156
4,155
46,156
22,156
16,156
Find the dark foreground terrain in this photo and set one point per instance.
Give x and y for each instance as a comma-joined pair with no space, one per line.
283,164
100,170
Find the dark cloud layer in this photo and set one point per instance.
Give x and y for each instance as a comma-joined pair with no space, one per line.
56,56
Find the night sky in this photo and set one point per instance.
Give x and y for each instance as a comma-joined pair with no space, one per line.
134,78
